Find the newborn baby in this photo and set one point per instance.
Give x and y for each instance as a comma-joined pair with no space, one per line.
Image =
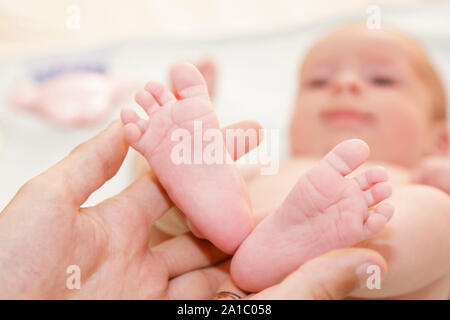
374,85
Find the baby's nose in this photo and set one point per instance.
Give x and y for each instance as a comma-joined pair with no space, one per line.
348,82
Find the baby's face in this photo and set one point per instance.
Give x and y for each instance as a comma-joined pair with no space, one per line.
366,84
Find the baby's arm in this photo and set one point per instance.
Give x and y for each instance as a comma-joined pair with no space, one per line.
416,245
435,172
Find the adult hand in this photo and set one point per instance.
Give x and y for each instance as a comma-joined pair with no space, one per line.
43,231
331,276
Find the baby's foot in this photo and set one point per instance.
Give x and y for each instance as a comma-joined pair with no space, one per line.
213,196
323,212
208,70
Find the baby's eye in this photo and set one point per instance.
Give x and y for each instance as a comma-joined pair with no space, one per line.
383,81
317,83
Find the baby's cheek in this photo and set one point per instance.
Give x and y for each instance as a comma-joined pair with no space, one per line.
403,135
411,123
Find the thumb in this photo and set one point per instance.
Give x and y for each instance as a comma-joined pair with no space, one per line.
88,166
331,276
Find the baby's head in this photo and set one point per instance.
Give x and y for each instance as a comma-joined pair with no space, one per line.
376,85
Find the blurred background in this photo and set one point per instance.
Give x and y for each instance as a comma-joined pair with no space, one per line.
256,47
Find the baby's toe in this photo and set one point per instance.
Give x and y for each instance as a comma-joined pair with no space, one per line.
160,92
371,176
146,101
188,82
377,219
129,116
348,155
134,126
377,193
132,133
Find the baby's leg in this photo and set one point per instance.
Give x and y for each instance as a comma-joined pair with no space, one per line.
416,245
212,195
324,211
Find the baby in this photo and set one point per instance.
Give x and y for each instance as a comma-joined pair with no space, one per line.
375,85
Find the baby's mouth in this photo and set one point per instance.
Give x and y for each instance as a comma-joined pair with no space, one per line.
346,116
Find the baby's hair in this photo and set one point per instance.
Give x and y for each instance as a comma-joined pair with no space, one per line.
436,87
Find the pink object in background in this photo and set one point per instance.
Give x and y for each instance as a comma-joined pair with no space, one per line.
74,98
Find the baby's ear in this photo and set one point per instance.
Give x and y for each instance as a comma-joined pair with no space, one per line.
440,139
